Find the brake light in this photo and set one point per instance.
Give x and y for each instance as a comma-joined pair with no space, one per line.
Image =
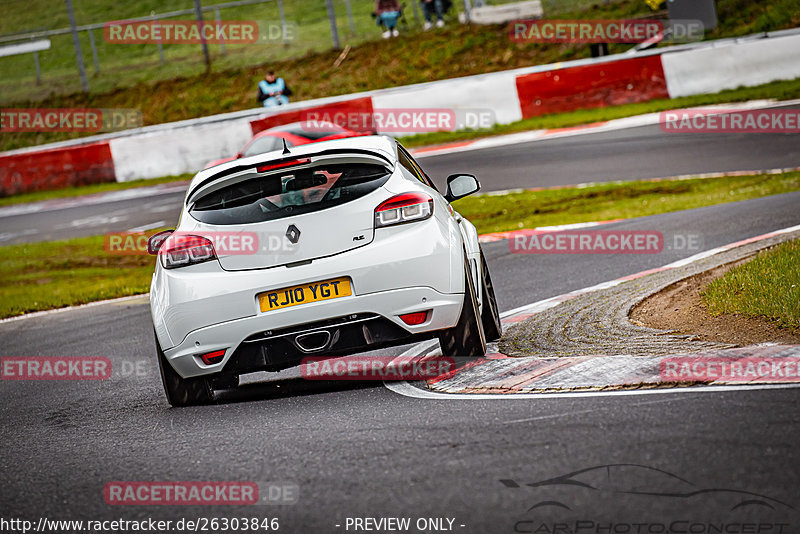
213,357
265,168
403,208
416,318
182,250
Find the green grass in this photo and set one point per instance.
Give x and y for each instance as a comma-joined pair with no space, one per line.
767,286
89,189
125,65
529,209
40,276
783,90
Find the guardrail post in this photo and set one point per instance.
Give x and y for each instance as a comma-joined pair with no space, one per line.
350,17
219,23
38,68
332,19
467,9
76,42
283,22
198,10
160,45
94,52
415,9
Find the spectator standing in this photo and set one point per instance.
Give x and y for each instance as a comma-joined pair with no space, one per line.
272,91
431,8
387,13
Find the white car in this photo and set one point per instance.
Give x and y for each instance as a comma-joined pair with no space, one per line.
355,250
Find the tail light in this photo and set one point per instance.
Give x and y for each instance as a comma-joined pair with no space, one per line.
183,250
211,358
403,208
273,166
413,319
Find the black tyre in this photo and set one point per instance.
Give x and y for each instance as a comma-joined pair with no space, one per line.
182,391
466,338
490,314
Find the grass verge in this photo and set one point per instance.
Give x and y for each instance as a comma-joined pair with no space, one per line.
768,287
529,209
40,276
37,196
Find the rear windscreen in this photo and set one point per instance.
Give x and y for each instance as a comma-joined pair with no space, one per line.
288,193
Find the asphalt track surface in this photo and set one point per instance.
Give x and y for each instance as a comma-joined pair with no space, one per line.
633,153
691,460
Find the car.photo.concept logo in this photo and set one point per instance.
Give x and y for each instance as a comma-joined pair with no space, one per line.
628,498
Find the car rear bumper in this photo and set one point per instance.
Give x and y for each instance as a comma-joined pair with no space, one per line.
376,324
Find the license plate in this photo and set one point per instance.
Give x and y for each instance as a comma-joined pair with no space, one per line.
304,293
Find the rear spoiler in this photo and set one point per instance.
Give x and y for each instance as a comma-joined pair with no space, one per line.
253,166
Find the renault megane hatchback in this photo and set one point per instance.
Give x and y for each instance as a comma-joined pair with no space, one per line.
325,249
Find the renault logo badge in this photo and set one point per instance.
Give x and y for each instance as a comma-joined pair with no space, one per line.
293,233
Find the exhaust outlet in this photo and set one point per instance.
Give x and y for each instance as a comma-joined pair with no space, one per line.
313,341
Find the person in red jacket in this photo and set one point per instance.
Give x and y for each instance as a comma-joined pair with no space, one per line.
387,13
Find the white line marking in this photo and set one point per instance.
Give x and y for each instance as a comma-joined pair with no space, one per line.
146,227
578,412
407,390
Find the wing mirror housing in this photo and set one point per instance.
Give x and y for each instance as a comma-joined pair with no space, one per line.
461,185
156,240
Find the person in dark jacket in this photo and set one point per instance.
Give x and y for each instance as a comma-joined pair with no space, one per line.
387,13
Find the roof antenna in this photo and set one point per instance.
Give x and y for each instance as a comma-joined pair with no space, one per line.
285,148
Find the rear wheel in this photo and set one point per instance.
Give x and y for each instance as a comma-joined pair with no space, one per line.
466,338
182,391
490,315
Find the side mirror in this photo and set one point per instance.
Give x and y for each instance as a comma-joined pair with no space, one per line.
461,185
156,240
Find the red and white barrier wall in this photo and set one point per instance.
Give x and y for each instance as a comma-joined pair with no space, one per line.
186,146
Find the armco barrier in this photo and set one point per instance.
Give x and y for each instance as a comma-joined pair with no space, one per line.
186,146
591,86
56,168
166,152
710,70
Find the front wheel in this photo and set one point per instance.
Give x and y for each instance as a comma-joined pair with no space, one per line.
466,338
182,391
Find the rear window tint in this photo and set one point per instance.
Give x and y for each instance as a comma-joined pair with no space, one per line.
289,192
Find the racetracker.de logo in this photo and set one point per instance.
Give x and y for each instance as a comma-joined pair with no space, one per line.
375,368
721,369
68,119
181,32
224,243
181,493
55,367
397,120
584,31
588,242
731,121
